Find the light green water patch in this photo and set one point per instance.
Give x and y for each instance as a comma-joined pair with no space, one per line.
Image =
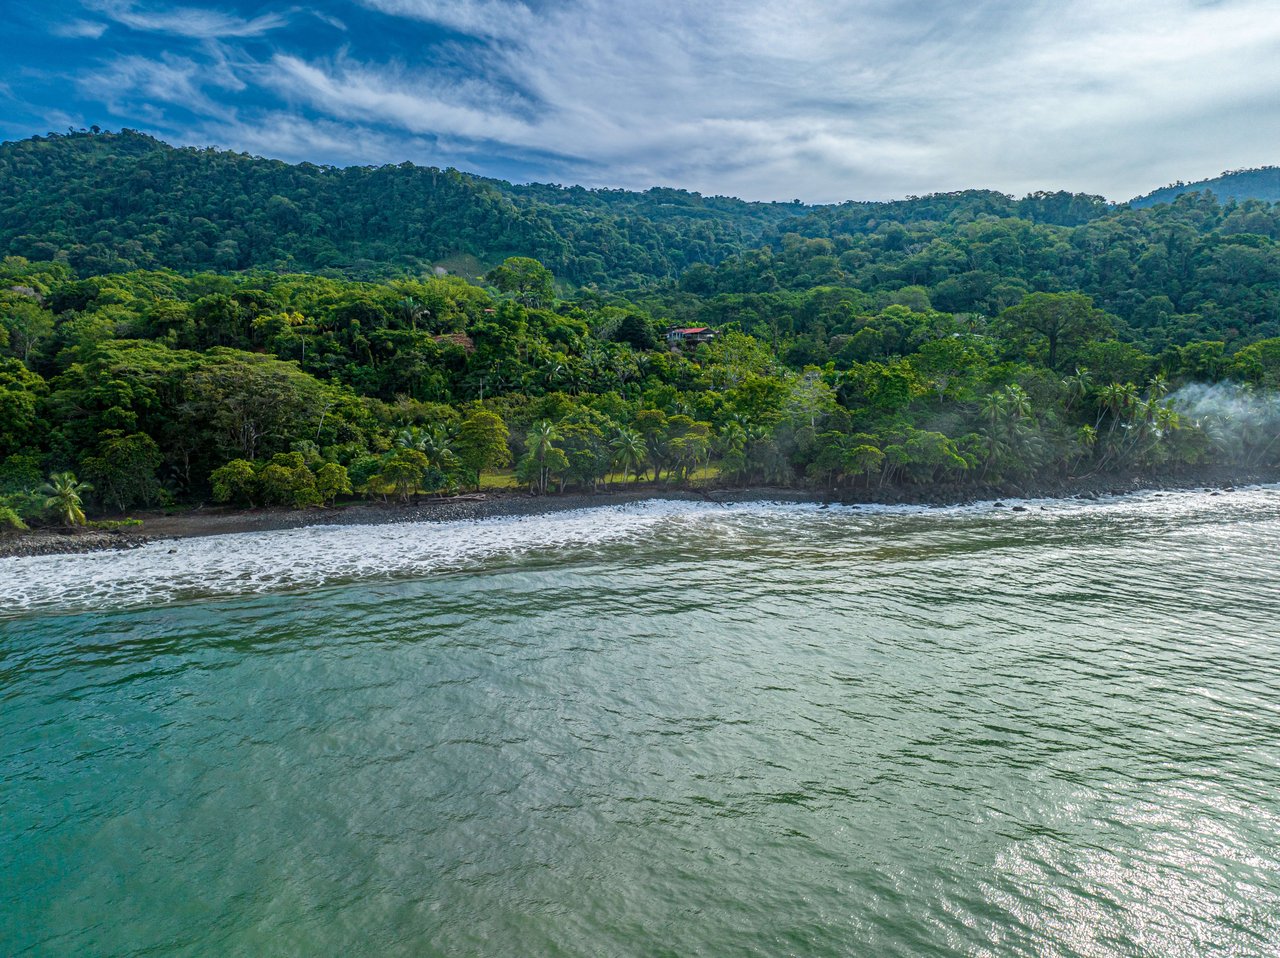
761,733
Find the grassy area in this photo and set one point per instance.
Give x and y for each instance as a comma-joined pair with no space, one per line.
506,479
464,265
499,480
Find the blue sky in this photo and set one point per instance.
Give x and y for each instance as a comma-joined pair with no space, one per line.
823,100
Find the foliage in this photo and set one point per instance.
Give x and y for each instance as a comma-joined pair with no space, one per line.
236,481
526,280
287,481
64,498
332,481
482,444
10,521
947,339
113,202
124,470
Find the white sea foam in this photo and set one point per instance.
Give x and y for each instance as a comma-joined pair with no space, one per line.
244,563
259,562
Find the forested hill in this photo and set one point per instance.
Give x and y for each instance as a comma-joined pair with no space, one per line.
1260,184
949,339
117,201
111,202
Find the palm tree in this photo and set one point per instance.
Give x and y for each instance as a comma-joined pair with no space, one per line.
433,441
1078,387
437,446
540,443
63,495
995,409
411,437
731,446
1019,403
629,451
1012,432
413,311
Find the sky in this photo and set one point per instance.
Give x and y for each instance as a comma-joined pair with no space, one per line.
820,100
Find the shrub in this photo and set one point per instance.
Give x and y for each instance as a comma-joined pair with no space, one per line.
332,481
235,482
286,481
10,521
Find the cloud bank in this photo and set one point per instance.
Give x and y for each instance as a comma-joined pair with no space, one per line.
823,101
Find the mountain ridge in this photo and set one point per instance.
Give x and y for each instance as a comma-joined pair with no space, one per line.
114,201
1260,183
109,202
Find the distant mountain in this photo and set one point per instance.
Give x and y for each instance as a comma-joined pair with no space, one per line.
112,202
1260,184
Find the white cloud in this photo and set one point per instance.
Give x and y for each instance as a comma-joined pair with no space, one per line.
355,92
329,19
288,136
482,18
79,29
136,84
194,22
835,100
820,99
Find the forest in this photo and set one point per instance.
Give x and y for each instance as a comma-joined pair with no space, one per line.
163,343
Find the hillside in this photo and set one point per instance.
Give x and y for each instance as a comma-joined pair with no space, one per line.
301,347
111,202
117,201
1260,184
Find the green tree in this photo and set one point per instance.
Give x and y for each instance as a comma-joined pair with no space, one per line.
403,472
10,520
1259,363
482,444
64,497
124,471
287,481
235,481
543,458
586,451
1058,321
635,331
332,481
526,280
629,452
26,323
21,392
256,404
863,460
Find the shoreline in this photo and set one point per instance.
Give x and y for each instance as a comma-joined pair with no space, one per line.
211,521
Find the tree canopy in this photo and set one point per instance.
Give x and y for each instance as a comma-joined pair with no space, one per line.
946,339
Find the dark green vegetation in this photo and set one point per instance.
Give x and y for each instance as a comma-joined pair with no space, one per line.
1260,184
119,201
933,341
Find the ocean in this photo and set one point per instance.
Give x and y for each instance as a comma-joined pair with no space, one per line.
668,728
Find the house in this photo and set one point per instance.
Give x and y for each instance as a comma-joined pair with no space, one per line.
690,335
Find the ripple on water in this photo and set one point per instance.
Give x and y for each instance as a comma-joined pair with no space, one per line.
667,728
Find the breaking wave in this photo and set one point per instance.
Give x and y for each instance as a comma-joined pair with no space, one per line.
173,570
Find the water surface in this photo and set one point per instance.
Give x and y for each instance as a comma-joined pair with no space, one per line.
667,729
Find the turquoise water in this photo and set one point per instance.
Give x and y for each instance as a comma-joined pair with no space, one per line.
659,730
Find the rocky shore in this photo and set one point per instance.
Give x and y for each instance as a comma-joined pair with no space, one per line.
208,521
61,541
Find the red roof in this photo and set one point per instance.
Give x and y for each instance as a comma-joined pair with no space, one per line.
694,329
